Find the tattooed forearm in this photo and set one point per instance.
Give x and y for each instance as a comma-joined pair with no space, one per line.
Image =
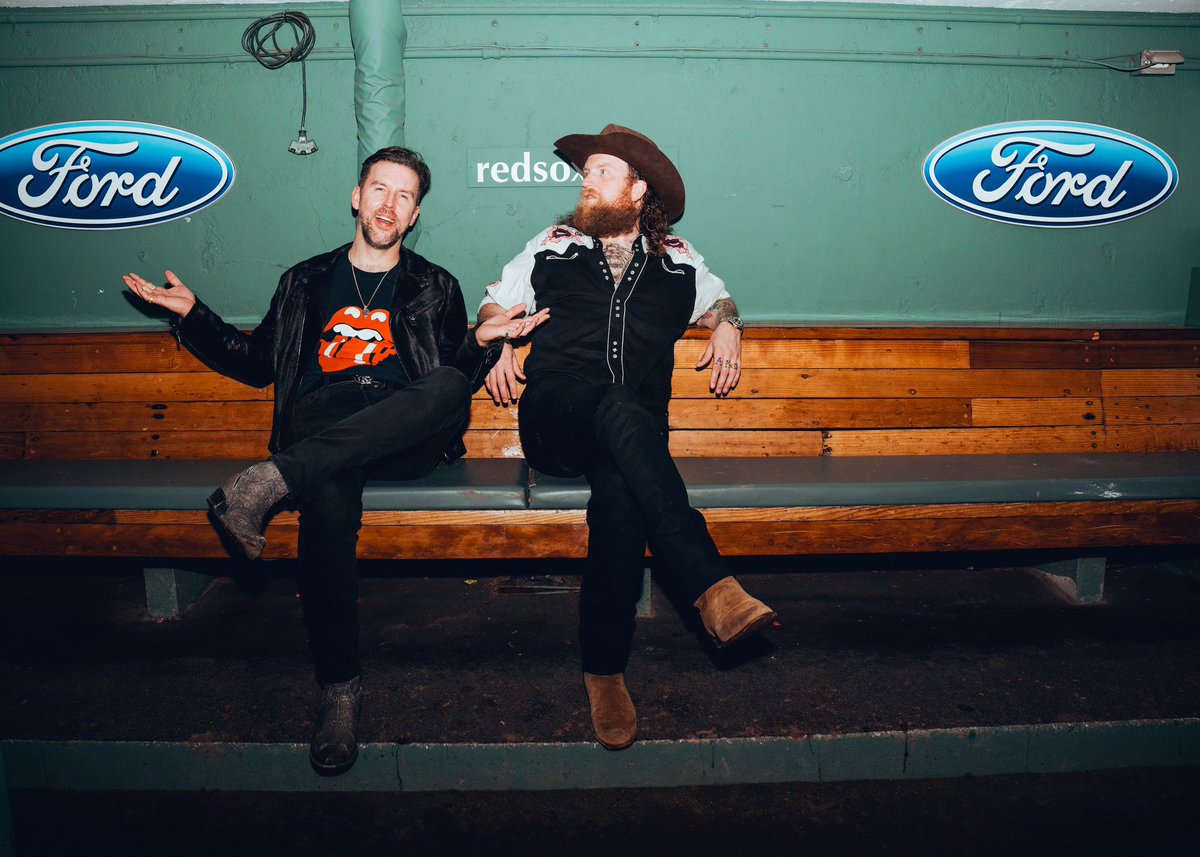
723,310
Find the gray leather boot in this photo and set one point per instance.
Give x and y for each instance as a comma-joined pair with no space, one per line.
334,745
240,505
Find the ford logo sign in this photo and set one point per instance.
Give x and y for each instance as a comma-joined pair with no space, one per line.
109,175
1051,174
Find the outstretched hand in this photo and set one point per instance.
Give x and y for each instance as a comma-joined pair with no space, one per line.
506,324
178,298
724,352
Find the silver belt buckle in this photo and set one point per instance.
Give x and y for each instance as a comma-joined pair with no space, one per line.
365,380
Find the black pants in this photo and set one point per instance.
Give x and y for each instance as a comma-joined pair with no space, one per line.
340,436
619,444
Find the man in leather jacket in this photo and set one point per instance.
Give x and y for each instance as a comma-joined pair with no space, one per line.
373,367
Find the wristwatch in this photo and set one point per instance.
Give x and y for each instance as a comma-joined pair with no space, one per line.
736,321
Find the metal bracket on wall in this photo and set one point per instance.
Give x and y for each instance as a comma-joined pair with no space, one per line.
1081,580
171,591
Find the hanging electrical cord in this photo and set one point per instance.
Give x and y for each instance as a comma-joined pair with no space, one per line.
260,40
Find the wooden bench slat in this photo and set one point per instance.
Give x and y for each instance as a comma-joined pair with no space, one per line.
126,354
1000,440
131,446
487,415
877,530
897,383
199,541
12,446
767,414
1152,409
686,443
1146,355
832,354
968,534
973,441
136,416
160,353
1154,438
1083,355
1146,382
819,413
745,444
493,443
130,387
1035,355
991,412
973,332
785,414
754,330
569,517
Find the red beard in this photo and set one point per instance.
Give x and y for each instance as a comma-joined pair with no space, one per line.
603,219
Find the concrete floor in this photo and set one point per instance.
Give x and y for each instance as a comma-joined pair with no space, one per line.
1147,813
494,661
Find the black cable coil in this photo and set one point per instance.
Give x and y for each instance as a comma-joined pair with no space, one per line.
255,41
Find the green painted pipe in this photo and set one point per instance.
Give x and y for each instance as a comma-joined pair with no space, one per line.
759,9
496,52
378,34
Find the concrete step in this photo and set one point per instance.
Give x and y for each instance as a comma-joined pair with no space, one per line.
472,681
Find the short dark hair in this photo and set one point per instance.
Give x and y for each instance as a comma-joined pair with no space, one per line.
405,158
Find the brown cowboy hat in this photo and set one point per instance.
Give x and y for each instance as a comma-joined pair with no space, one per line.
633,148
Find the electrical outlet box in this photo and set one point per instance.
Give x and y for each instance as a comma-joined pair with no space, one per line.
1159,62
302,146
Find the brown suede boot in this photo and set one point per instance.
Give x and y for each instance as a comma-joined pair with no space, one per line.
240,506
614,720
730,614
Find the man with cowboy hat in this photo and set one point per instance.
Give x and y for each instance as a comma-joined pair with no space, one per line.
620,290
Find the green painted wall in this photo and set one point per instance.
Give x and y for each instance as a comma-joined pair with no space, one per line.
800,130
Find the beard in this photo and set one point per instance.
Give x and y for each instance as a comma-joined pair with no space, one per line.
376,236
601,219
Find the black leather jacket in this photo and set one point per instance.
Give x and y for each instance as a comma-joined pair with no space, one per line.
429,325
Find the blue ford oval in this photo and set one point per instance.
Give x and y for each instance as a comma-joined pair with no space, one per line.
109,175
1051,173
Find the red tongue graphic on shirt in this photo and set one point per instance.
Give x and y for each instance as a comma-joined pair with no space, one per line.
359,339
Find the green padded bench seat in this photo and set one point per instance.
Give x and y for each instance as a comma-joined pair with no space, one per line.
912,480
498,484
489,484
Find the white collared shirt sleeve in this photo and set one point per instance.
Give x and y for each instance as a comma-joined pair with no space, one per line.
515,285
709,288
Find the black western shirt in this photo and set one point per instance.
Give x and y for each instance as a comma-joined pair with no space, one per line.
601,331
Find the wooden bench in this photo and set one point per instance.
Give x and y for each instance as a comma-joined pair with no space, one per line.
839,440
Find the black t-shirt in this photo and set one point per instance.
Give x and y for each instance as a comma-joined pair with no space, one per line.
355,343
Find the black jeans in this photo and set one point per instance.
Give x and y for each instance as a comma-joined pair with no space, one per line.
340,436
619,444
